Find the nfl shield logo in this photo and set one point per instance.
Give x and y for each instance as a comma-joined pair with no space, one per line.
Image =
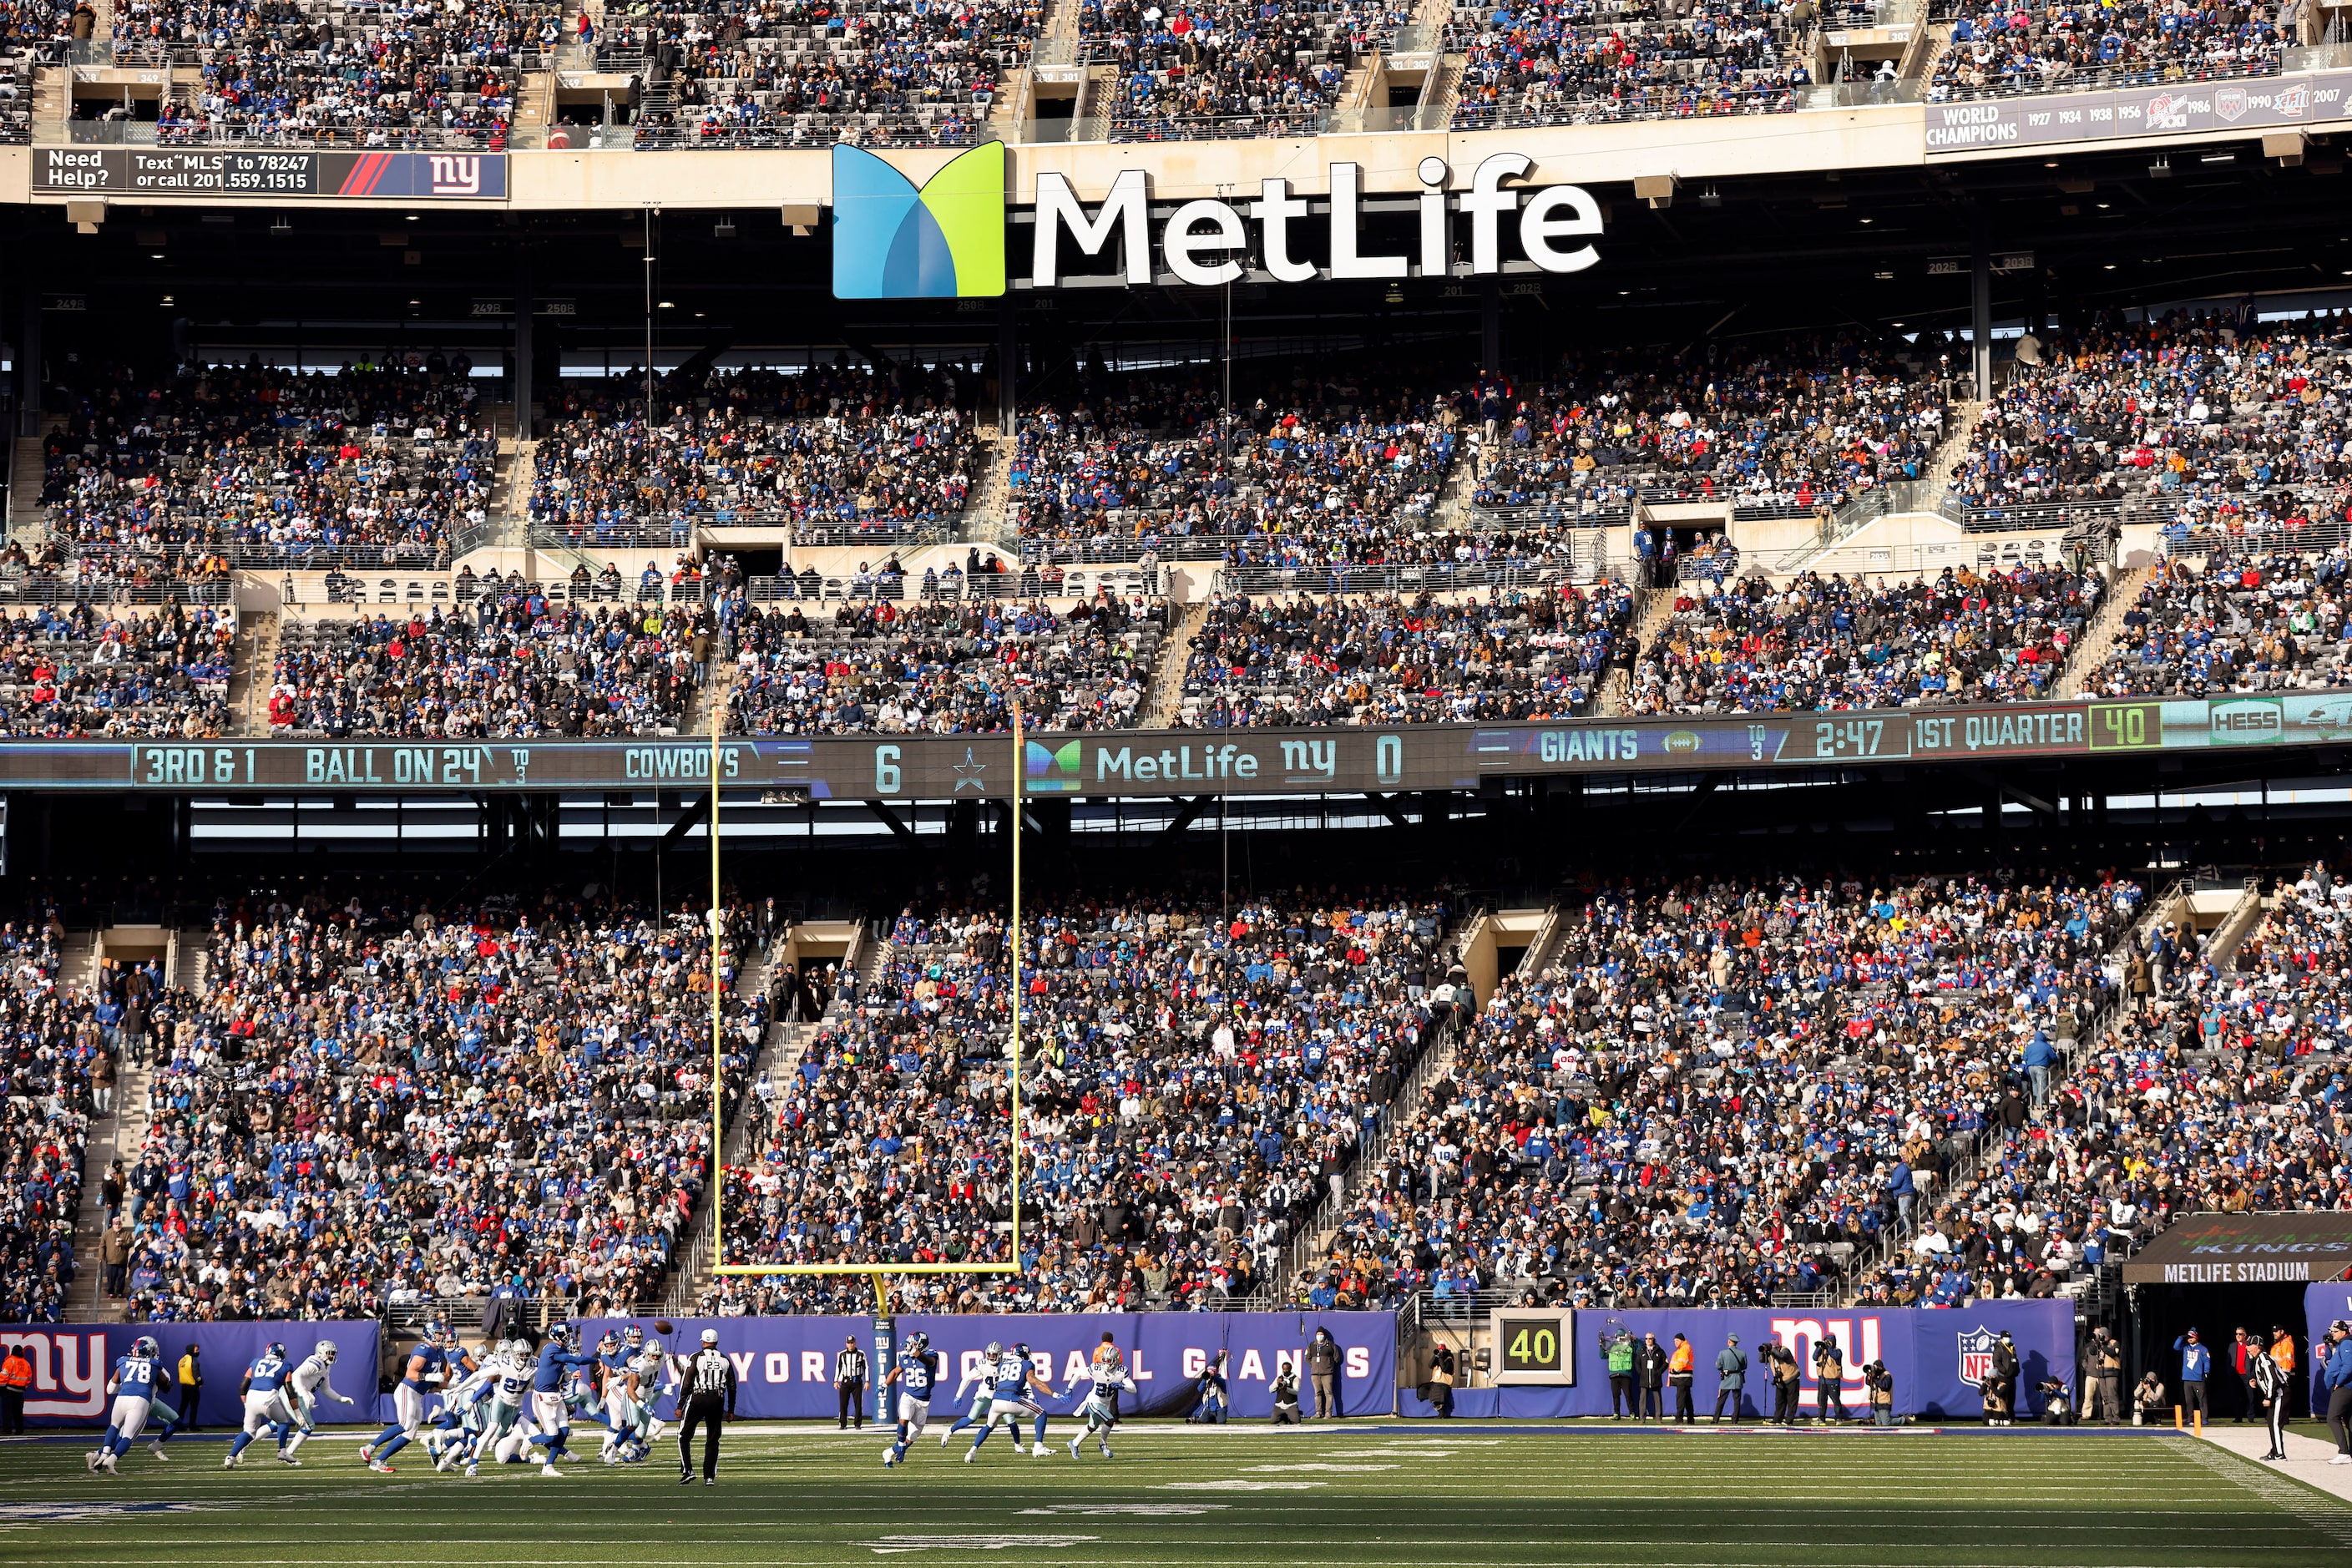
2230,102
1975,1354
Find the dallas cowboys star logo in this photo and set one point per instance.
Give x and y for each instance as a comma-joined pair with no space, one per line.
968,773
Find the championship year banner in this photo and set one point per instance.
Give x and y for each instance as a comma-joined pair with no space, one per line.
1147,763
1937,1357
2253,104
71,1362
209,171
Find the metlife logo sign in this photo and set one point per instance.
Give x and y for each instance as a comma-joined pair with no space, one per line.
946,238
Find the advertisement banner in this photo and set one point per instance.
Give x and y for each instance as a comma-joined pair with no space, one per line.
783,1366
71,1362
1937,1359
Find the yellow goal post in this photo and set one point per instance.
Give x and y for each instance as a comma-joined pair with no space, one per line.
878,1272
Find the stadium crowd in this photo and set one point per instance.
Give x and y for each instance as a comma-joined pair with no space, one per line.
789,72
945,669
2000,50
1227,68
1564,62
2236,622
70,670
1388,662
1798,423
1194,1082
514,665
58,1063
1325,478
1712,1094
372,1102
272,70
1837,642
837,453
270,468
2228,429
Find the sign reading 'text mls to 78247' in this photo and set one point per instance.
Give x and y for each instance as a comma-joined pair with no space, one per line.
207,171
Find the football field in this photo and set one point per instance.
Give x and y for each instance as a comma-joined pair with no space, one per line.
1177,1497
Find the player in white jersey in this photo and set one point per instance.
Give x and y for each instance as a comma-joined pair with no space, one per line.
984,1374
655,1383
459,1429
623,1408
313,1377
502,1407
1015,1377
1101,1410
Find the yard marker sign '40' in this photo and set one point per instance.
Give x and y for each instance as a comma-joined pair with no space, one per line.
945,238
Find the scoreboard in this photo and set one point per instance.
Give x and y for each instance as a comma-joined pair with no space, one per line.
1535,1347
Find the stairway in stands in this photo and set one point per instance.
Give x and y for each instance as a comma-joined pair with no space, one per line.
120,1134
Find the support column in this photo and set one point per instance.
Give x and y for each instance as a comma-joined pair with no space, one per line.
526,309
29,360
1980,306
1490,328
1008,366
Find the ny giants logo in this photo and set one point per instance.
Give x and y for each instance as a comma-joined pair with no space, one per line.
68,1372
457,174
1803,1335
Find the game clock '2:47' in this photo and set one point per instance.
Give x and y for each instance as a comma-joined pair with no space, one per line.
1535,1347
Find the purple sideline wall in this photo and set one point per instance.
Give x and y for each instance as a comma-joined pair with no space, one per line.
71,1362
1931,1353
783,1366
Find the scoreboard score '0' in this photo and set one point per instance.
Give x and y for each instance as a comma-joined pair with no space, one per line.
1535,1347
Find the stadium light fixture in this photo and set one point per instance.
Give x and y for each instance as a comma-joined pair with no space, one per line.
2219,158
281,225
1710,197
2162,169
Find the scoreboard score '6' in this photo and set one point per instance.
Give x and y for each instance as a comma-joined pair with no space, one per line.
1535,1347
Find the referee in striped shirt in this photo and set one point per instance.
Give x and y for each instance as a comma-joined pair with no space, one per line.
709,1402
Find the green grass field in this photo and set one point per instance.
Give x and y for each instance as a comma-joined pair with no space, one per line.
1180,1497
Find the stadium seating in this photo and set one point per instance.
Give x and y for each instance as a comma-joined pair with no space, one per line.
1288,485
842,456
1998,51
895,75
1702,1098
516,665
77,670
2238,623
940,668
269,468
1198,1077
1229,69
380,1103
1547,62
44,1126
277,72
1838,642
1385,661
2190,417
1798,423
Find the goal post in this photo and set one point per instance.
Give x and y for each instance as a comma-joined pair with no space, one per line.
878,1270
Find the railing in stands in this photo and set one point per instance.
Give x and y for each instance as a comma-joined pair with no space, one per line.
1381,579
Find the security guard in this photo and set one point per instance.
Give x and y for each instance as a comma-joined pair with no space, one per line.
16,1381
707,1395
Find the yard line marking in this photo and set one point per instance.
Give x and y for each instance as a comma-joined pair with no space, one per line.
894,1543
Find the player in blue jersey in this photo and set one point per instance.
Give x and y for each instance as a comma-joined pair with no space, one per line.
557,1361
915,1372
137,1380
1011,1403
427,1368
268,1404
984,1374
